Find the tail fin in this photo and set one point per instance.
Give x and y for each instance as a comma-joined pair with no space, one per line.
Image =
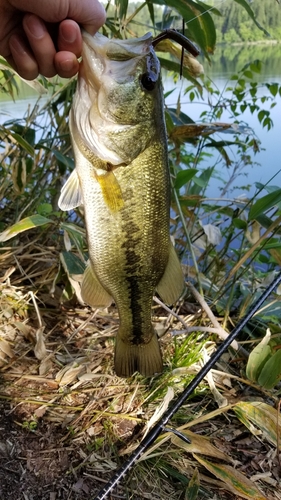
143,358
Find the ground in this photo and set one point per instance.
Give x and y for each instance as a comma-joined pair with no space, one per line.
67,422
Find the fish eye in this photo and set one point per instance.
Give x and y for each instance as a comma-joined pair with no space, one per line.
147,82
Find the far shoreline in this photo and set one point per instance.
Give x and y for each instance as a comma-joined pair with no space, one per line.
257,42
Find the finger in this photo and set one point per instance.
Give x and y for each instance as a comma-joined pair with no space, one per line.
69,37
90,14
22,58
10,23
41,44
93,18
66,64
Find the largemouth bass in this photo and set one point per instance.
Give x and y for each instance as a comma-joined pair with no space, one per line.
121,177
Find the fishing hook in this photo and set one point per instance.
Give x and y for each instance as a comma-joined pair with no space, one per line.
178,37
170,412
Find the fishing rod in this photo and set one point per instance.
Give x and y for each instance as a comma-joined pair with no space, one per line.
170,412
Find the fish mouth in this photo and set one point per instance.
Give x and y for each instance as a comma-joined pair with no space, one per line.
102,55
119,93
115,96
118,49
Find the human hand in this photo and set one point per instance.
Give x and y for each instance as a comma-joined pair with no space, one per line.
43,36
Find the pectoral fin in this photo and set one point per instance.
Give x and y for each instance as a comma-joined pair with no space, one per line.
71,194
111,191
171,285
92,291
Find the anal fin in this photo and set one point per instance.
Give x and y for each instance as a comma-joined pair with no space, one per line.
71,194
171,285
93,293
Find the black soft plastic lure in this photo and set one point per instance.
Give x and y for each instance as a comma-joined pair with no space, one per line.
178,37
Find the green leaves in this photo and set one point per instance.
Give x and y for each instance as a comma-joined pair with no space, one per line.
72,264
236,482
257,416
64,162
199,22
184,176
271,372
24,225
265,203
264,364
122,7
175,67
192,490
21,142
249,10
258,357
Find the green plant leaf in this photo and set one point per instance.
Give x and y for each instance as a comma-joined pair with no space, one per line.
201,181
236,482
77,236
271,309
169,122
184,176
271,371
150,7
44,209
179,118
262,416
122,7
72,264
239,223
65,160
28,133
265,222
24,225
249,10
264,203
176,68
258,357
256,66
200,23
22,142
199,444
191,492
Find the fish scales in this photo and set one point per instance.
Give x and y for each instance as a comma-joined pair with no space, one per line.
132,258
119,141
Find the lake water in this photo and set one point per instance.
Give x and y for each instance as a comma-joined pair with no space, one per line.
227,61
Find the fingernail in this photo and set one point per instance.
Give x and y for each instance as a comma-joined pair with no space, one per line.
67,65
36,27
69,35
17,44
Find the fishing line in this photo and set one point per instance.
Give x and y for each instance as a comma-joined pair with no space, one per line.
170,412
206,11
182,51
186,22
